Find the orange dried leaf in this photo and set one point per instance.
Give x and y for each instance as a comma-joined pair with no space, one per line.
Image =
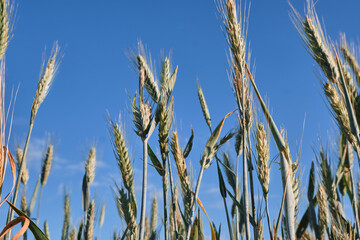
13,223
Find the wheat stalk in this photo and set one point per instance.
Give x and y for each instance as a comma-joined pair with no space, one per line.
45,81
236,30
262,162
2,125
165,121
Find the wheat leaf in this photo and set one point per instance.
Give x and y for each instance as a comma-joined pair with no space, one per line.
38,234
189,145
158,166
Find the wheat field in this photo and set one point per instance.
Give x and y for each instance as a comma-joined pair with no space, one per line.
217,120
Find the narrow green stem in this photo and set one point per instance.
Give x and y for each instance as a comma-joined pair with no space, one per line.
173,205
237,196
228,220
245,188
38,210
354,205
165,204
17,186
143,192
253,201
193,204
268,215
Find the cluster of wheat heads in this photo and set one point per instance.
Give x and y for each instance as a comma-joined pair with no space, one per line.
252,147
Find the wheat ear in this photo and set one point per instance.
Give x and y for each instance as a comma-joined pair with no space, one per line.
312,34
90,166
350,58
46,230
72,234
203,105
45,81
66,223
154,215
102,215
121,153
182,173
25,173
45,172
4,27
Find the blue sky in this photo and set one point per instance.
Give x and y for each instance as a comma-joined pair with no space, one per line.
95,75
